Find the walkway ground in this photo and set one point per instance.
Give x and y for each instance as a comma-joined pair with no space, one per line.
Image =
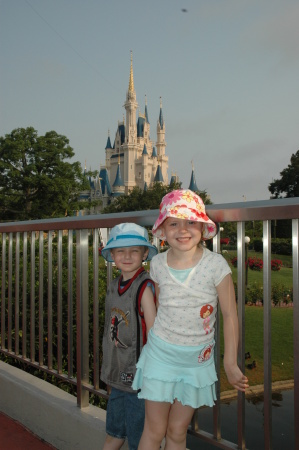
14,436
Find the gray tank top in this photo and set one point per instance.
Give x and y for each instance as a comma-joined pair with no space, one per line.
124,330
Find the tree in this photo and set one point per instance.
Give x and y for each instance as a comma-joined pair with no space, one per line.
36,180
139,200
288,184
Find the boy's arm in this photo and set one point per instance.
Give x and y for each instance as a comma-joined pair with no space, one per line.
148,307
227,301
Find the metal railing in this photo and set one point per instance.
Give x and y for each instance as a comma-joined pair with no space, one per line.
50,300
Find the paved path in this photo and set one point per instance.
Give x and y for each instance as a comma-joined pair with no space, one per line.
14,436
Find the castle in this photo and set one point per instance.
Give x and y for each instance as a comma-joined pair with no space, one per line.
133,159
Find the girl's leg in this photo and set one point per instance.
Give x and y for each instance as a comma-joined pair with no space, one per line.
178,421
155,425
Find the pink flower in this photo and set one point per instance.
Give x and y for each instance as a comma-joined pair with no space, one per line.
172,197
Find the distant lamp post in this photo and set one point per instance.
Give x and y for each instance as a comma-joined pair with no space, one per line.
246,240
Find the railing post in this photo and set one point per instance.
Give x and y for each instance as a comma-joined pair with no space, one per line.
9,297
295,234
17,295
267,335
50,300
24,296
3,291
59,301
241,320
82,317
32,298
96,345
109,265
41,299
70,305
217,406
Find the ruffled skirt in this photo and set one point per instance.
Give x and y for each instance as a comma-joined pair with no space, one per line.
166,372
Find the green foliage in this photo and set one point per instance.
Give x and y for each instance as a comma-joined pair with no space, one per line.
288,184
254,294
281,246
278,246
140,200
257,245
36,179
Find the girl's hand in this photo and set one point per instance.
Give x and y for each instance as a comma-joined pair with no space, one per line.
236,378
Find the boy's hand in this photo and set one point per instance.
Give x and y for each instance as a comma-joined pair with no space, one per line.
108,389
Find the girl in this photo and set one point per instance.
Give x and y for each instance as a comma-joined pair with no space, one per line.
176,372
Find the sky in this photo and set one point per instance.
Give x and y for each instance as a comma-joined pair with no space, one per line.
227,72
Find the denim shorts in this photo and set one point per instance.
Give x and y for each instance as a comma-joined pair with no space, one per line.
125,417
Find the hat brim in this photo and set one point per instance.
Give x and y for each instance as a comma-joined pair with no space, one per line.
128,243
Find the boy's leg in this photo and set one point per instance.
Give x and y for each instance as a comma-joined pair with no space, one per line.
113,443
155,426
135,413
115,420
178,421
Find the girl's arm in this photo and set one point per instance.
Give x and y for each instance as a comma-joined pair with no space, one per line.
227,301
148,307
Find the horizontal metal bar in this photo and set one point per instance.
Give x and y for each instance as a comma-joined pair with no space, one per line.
275,209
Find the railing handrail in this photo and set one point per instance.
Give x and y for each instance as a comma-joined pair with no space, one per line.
274,209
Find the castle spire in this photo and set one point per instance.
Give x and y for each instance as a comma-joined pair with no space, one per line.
193,186
131,80
161,121
145,110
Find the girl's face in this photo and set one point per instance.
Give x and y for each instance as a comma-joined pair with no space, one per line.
182,234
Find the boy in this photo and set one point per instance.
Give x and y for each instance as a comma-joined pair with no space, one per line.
130,311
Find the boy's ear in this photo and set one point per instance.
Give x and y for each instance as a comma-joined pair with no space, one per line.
111,254
145,254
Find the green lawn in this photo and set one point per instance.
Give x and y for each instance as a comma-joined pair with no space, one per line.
283,276
282,345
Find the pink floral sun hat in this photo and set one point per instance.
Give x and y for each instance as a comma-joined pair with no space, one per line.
184,204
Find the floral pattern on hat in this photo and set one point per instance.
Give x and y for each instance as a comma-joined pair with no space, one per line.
184,204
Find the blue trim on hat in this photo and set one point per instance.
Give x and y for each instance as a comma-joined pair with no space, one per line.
127,236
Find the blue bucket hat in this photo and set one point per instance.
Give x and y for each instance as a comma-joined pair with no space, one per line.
128,235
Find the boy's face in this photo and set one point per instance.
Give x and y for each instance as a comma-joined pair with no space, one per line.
129,259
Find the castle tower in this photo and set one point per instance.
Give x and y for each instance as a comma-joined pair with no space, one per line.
193,186
161,144
133,155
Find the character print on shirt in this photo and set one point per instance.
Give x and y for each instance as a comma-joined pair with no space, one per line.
205,313
206,353
119,317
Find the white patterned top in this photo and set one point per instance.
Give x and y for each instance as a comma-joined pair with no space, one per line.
187,310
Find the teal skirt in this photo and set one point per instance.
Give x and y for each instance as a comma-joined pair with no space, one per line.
166,372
